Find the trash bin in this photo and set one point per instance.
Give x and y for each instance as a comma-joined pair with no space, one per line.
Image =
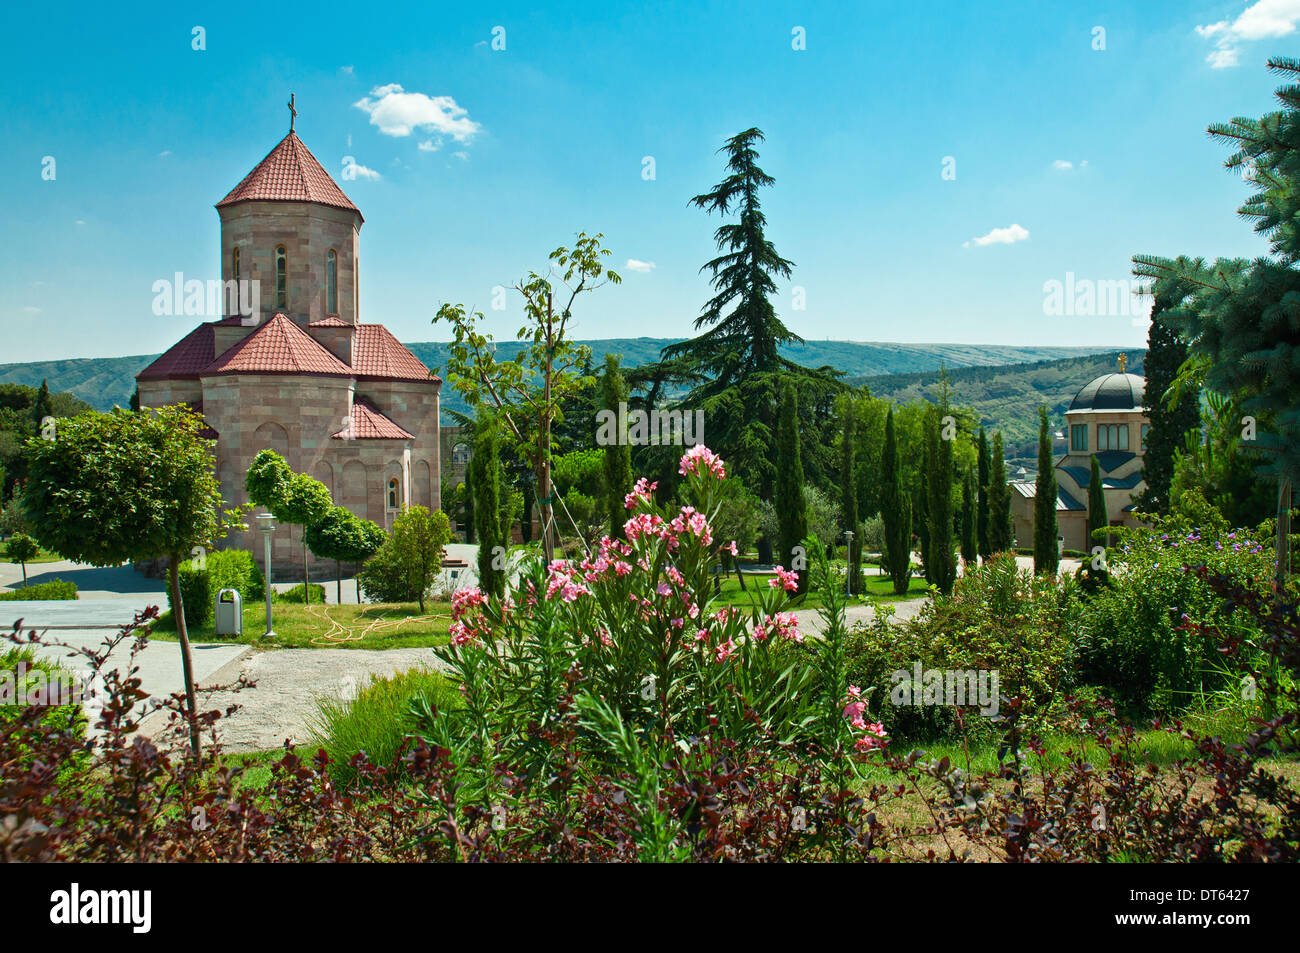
230,613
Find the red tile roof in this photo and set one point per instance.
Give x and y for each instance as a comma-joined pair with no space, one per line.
290,173
331,323
186,358
278,347
377,354
368,423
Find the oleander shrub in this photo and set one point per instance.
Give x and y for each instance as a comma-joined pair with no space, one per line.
55,589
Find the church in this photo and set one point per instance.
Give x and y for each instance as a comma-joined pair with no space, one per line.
1106,421
302,375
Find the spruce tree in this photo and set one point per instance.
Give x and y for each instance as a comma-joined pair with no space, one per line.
618,455
969,506
1165,355
485,488
1046,556
982,507
849,487
791,508
895,512
1000,534
1097,516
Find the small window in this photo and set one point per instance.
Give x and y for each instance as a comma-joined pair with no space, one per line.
332,282
281,279
234,274
1112,437
1078,436
392,493
460,453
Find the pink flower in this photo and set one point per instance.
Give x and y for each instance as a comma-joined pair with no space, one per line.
700,458
725,650
786,578
640,493
462,600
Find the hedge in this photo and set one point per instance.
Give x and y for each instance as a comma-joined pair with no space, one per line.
224,569
54,589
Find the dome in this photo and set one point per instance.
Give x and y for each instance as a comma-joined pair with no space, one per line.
1110,392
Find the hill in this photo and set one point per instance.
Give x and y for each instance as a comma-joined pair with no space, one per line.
1007,397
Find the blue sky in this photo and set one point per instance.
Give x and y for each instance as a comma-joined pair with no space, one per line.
547,137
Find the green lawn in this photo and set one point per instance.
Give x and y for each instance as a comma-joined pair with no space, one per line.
878,587
370,626
41,557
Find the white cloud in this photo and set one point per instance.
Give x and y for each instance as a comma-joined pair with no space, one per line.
463,156
364,172
31,310
1000,236
1062,165
399,113
641,266
428,146
1264,19
164,154
81,221
346,70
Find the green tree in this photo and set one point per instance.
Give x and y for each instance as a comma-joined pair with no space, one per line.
849,486
293,498
895,512
984,540
618,454
1000,536
1238,315
939,498
485,485
529,392
1097,516
1046,554
1171,414
419,538
791,508
344,537
969,506
126,486
42,408
22,549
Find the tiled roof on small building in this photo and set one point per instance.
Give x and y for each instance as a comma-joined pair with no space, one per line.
368,423
377,354
186,358
289,173
278,347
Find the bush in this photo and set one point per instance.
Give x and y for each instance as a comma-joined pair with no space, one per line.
23,674
196,595
54,589
295,594
236,569
377,721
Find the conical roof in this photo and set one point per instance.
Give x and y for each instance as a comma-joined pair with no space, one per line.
289,173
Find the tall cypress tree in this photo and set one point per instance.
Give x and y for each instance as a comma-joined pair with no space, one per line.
791,508
1000,535
1097,516
895,512
618,455
849,485
982,506
1046,557
485,488
42,408
1166,353
921,498
939,499
969,506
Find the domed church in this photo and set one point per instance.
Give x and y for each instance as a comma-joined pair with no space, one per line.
1105,420
339,399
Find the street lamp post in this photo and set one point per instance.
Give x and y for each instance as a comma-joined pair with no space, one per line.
848,563
266,523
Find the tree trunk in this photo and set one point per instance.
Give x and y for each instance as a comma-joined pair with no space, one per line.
739,575
187,664
24,565
306,587
338,578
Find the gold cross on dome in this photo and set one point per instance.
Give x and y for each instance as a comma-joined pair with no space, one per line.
293,112
1123,359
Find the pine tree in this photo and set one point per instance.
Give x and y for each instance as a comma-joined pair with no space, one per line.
982,507
1046,555
42,408
921,494
969,506
849,486
791,508
618,455
941,517
895,512
485,486
1097,516
1000,534
1166,353
1241,316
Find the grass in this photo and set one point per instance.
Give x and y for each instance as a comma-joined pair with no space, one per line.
42,556
369,626
878,587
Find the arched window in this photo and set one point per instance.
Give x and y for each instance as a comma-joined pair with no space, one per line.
234,274
332,283
460,453
281,279
393,493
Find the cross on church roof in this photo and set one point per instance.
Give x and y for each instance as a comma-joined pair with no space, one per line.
1123,359
293,113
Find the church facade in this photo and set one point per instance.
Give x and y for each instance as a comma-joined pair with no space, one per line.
1106,421
300,373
